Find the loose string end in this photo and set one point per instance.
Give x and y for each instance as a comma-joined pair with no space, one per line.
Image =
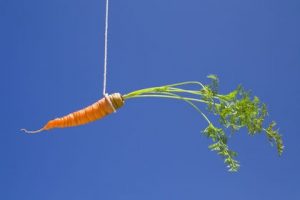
32,132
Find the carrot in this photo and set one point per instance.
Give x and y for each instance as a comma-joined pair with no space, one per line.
235,110
97,110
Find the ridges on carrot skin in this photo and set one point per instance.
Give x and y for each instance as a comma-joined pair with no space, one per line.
97,110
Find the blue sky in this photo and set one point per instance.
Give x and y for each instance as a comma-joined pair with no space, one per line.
52,64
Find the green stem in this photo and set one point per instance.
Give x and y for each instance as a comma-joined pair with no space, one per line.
165,96
163,88
193,105
170,92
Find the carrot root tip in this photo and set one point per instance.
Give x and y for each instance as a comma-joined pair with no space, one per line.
32,132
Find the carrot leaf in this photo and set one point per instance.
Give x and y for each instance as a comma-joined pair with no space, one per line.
234,110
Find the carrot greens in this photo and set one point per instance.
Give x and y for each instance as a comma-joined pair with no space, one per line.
235,110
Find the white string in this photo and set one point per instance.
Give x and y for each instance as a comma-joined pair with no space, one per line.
105,48
109,101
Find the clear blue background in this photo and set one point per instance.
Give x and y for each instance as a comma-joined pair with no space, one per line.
52,64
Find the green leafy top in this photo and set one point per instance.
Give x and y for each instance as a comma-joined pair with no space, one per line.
235,110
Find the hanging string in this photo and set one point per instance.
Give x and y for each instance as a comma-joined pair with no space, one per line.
105,48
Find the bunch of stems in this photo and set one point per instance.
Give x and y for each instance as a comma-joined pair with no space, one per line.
235,110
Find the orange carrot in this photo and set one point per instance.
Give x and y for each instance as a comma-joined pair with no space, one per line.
98,110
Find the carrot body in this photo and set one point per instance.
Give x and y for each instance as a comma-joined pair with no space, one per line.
97,110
